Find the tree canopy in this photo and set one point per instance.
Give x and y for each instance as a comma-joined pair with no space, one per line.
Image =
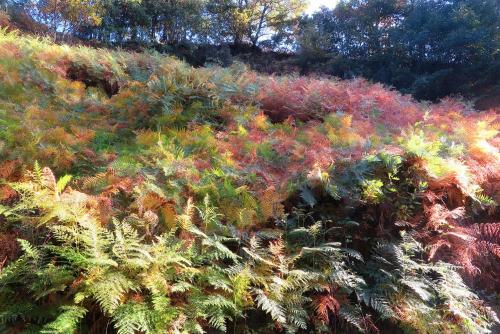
428,48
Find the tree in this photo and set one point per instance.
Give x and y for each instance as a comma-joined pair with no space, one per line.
65,16
248,21
174,21
430,48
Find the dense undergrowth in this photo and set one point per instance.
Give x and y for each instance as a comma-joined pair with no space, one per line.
140,195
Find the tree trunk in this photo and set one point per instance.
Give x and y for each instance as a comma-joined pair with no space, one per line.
255,39
154,22
54,20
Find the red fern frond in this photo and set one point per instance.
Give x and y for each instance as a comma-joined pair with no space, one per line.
9,247
7,194
8,168
487,231
324,304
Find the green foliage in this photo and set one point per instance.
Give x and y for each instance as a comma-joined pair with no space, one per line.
66,322
372,190
421,289
177,205
112,265
426,50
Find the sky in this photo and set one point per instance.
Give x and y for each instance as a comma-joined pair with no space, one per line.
314,5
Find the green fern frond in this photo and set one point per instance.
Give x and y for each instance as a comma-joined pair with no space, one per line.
37,171
63,182
270,306
132,318
110,289
353,315
66,322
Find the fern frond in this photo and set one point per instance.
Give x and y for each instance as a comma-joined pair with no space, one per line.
132,318
62,183
353,315
270,306
109,290
66,322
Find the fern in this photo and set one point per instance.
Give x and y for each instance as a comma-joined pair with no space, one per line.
204,197
132,318
308,197
62,182
66,322
37,171
270,306
353,315
109,289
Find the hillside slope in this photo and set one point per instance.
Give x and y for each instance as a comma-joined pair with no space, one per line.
147,196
